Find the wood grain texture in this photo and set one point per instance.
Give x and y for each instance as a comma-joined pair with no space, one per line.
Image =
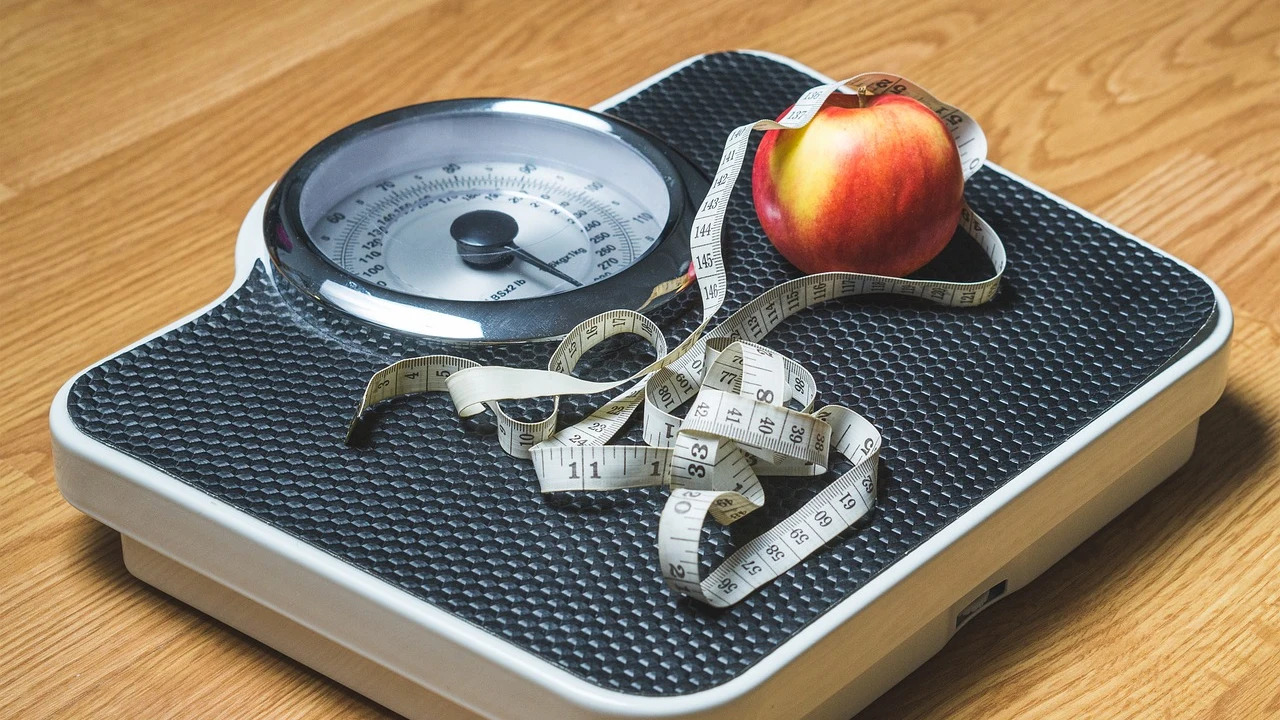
134,136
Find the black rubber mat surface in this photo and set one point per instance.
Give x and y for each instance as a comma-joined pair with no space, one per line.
249,404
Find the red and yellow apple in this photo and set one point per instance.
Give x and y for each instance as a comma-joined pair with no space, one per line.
870,185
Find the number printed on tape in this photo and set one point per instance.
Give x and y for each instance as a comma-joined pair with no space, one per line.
739,426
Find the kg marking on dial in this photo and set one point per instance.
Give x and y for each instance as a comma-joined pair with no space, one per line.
486,231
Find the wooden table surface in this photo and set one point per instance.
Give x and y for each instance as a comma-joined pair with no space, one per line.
134,136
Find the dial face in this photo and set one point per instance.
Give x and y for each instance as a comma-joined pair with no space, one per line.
485,220
487,231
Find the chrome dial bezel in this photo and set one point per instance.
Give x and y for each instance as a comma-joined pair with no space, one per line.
296,257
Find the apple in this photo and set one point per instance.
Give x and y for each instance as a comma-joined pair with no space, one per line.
872,184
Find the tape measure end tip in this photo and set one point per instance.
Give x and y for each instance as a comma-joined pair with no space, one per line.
355,435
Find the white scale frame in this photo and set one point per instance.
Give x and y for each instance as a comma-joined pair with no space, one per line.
424,663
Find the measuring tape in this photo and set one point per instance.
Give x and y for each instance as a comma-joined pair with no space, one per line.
751,409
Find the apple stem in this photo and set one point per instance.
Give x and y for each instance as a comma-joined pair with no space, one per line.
863,93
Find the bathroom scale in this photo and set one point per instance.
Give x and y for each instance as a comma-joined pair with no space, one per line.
411,556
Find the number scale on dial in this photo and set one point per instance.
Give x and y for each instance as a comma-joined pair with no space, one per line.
395,232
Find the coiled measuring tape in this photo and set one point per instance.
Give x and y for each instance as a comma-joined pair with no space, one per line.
750,409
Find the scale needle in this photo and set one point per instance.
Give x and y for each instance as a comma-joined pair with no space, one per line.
525,256
486,239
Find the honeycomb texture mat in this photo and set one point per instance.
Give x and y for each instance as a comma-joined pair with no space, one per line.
249,404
